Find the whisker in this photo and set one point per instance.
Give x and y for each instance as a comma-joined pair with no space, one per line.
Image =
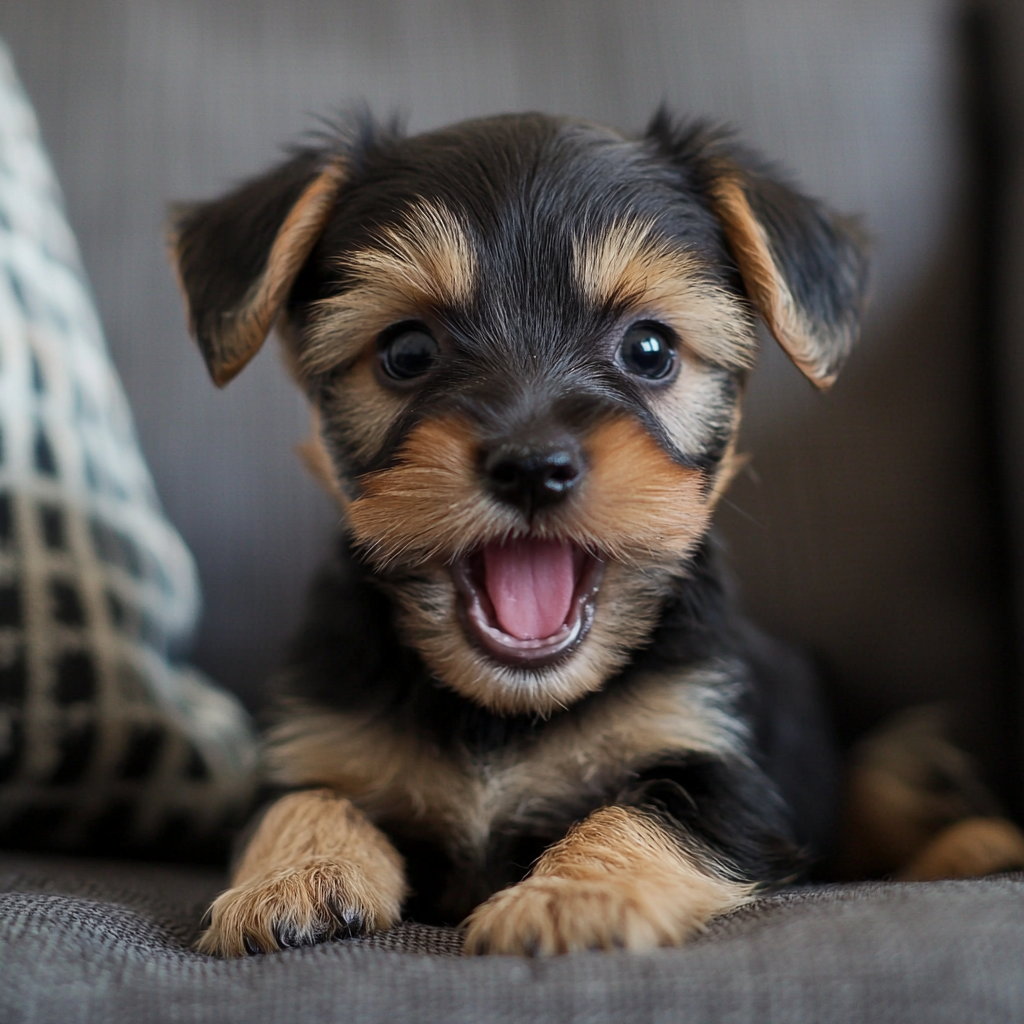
746,515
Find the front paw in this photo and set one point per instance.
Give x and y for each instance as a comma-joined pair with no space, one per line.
298,906
545,915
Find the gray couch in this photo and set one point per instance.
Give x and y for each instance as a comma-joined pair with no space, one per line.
877,525
102,942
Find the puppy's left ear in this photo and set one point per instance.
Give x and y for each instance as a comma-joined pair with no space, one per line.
238,257
803,267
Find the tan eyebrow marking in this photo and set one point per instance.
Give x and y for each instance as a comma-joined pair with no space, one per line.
629,264
426,261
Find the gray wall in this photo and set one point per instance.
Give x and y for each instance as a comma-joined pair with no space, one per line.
858,536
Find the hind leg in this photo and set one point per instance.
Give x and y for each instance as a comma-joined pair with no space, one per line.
917,810
968,849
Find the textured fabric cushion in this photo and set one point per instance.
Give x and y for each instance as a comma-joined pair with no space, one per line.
83,941
102,739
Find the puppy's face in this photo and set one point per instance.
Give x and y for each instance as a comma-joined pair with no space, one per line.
525,340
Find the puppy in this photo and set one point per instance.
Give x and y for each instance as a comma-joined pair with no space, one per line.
523,693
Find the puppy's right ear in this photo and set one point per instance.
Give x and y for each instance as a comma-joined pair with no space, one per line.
804,268
237,257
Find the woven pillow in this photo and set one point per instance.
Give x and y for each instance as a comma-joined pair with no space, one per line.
104,743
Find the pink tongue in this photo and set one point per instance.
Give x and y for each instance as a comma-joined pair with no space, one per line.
530,583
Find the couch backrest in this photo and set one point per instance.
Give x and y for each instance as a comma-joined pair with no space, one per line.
859,532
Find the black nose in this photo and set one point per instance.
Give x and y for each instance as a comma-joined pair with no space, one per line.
532,476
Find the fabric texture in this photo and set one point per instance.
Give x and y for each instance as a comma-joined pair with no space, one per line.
94,941
103,741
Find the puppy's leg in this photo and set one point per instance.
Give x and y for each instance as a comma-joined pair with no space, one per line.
969,849
916,807
315,868
618,879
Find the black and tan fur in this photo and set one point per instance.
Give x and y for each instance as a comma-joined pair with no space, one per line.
670,760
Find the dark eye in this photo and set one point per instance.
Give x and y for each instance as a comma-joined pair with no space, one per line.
646,352
408,351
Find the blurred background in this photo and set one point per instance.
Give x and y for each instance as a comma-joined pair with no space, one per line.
875,524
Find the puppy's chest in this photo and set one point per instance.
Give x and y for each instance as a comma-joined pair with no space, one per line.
478,799
472,800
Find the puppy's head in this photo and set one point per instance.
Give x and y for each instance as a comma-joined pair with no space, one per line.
525,339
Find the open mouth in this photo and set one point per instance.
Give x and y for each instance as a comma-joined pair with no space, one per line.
528,601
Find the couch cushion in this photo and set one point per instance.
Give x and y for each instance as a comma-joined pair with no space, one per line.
105,740
94,941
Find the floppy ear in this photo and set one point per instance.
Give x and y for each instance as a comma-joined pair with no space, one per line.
237,257
803,267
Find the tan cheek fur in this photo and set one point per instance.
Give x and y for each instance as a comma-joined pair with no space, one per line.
410,786
314,866
617,880
635,503
430,504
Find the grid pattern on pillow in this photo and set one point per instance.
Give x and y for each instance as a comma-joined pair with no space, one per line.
103,742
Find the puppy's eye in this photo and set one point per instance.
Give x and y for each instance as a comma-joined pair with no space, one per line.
408,352
646,352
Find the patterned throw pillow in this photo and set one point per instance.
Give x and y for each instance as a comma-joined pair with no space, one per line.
104,743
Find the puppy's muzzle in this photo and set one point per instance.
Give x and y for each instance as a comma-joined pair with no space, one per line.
528,600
